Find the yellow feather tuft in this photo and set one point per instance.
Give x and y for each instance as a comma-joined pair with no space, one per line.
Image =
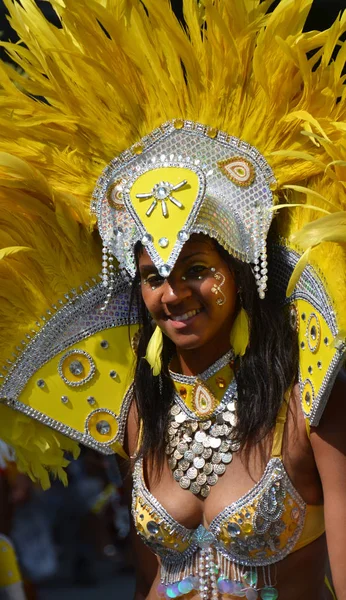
240,333
331,228
39,450
298,270
154,349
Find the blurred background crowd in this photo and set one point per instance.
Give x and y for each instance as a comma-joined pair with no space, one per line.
71,541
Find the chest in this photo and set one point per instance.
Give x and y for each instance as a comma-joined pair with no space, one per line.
241,476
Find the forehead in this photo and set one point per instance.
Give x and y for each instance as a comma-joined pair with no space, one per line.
197,244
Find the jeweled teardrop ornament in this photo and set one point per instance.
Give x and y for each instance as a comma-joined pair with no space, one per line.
238,589
186,585
203,400
161,590
251,577
269,593
172,591
225,585
115,195
239,170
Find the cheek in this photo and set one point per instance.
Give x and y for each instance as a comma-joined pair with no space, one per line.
146,296
150,299
230,291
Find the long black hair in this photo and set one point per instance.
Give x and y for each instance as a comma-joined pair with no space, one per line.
263,375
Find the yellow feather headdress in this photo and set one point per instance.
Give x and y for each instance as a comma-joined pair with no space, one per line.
114,71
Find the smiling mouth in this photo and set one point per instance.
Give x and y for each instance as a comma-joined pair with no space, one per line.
186,316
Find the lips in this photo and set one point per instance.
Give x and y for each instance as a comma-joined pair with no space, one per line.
184,320
185,316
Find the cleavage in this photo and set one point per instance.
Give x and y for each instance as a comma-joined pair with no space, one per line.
191,511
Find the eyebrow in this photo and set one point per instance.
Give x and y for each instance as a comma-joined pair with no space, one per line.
147,269
185,258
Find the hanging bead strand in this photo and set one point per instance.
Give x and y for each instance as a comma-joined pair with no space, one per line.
107,275
203,584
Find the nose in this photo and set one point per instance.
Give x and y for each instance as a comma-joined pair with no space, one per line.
174,291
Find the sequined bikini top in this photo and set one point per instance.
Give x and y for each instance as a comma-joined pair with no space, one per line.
262,527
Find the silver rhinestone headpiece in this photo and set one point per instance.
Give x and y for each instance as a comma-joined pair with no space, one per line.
229,200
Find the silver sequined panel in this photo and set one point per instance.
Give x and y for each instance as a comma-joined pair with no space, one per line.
76,321
237,216
310,287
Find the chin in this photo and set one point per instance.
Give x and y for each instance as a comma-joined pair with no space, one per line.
187,342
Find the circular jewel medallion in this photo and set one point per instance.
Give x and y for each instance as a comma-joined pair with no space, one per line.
102,425
308,395
313,332
76,367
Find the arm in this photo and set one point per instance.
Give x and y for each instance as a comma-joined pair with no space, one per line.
145,562
328,442
146,565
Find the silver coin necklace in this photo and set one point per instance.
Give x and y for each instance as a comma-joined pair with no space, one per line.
200,439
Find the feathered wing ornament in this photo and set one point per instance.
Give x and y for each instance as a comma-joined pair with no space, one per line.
101,83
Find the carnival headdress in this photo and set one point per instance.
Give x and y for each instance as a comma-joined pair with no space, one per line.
189,124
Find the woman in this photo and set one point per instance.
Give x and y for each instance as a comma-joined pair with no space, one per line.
211,129
185,308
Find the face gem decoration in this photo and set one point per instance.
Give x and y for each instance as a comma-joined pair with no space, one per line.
162,192
238,170
216,289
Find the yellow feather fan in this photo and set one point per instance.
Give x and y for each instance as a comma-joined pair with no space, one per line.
47,249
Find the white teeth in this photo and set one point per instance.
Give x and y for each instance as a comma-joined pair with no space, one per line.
185,316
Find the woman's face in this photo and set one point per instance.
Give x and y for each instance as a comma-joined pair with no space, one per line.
195,305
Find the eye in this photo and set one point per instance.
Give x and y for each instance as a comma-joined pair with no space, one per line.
154,280
197,272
